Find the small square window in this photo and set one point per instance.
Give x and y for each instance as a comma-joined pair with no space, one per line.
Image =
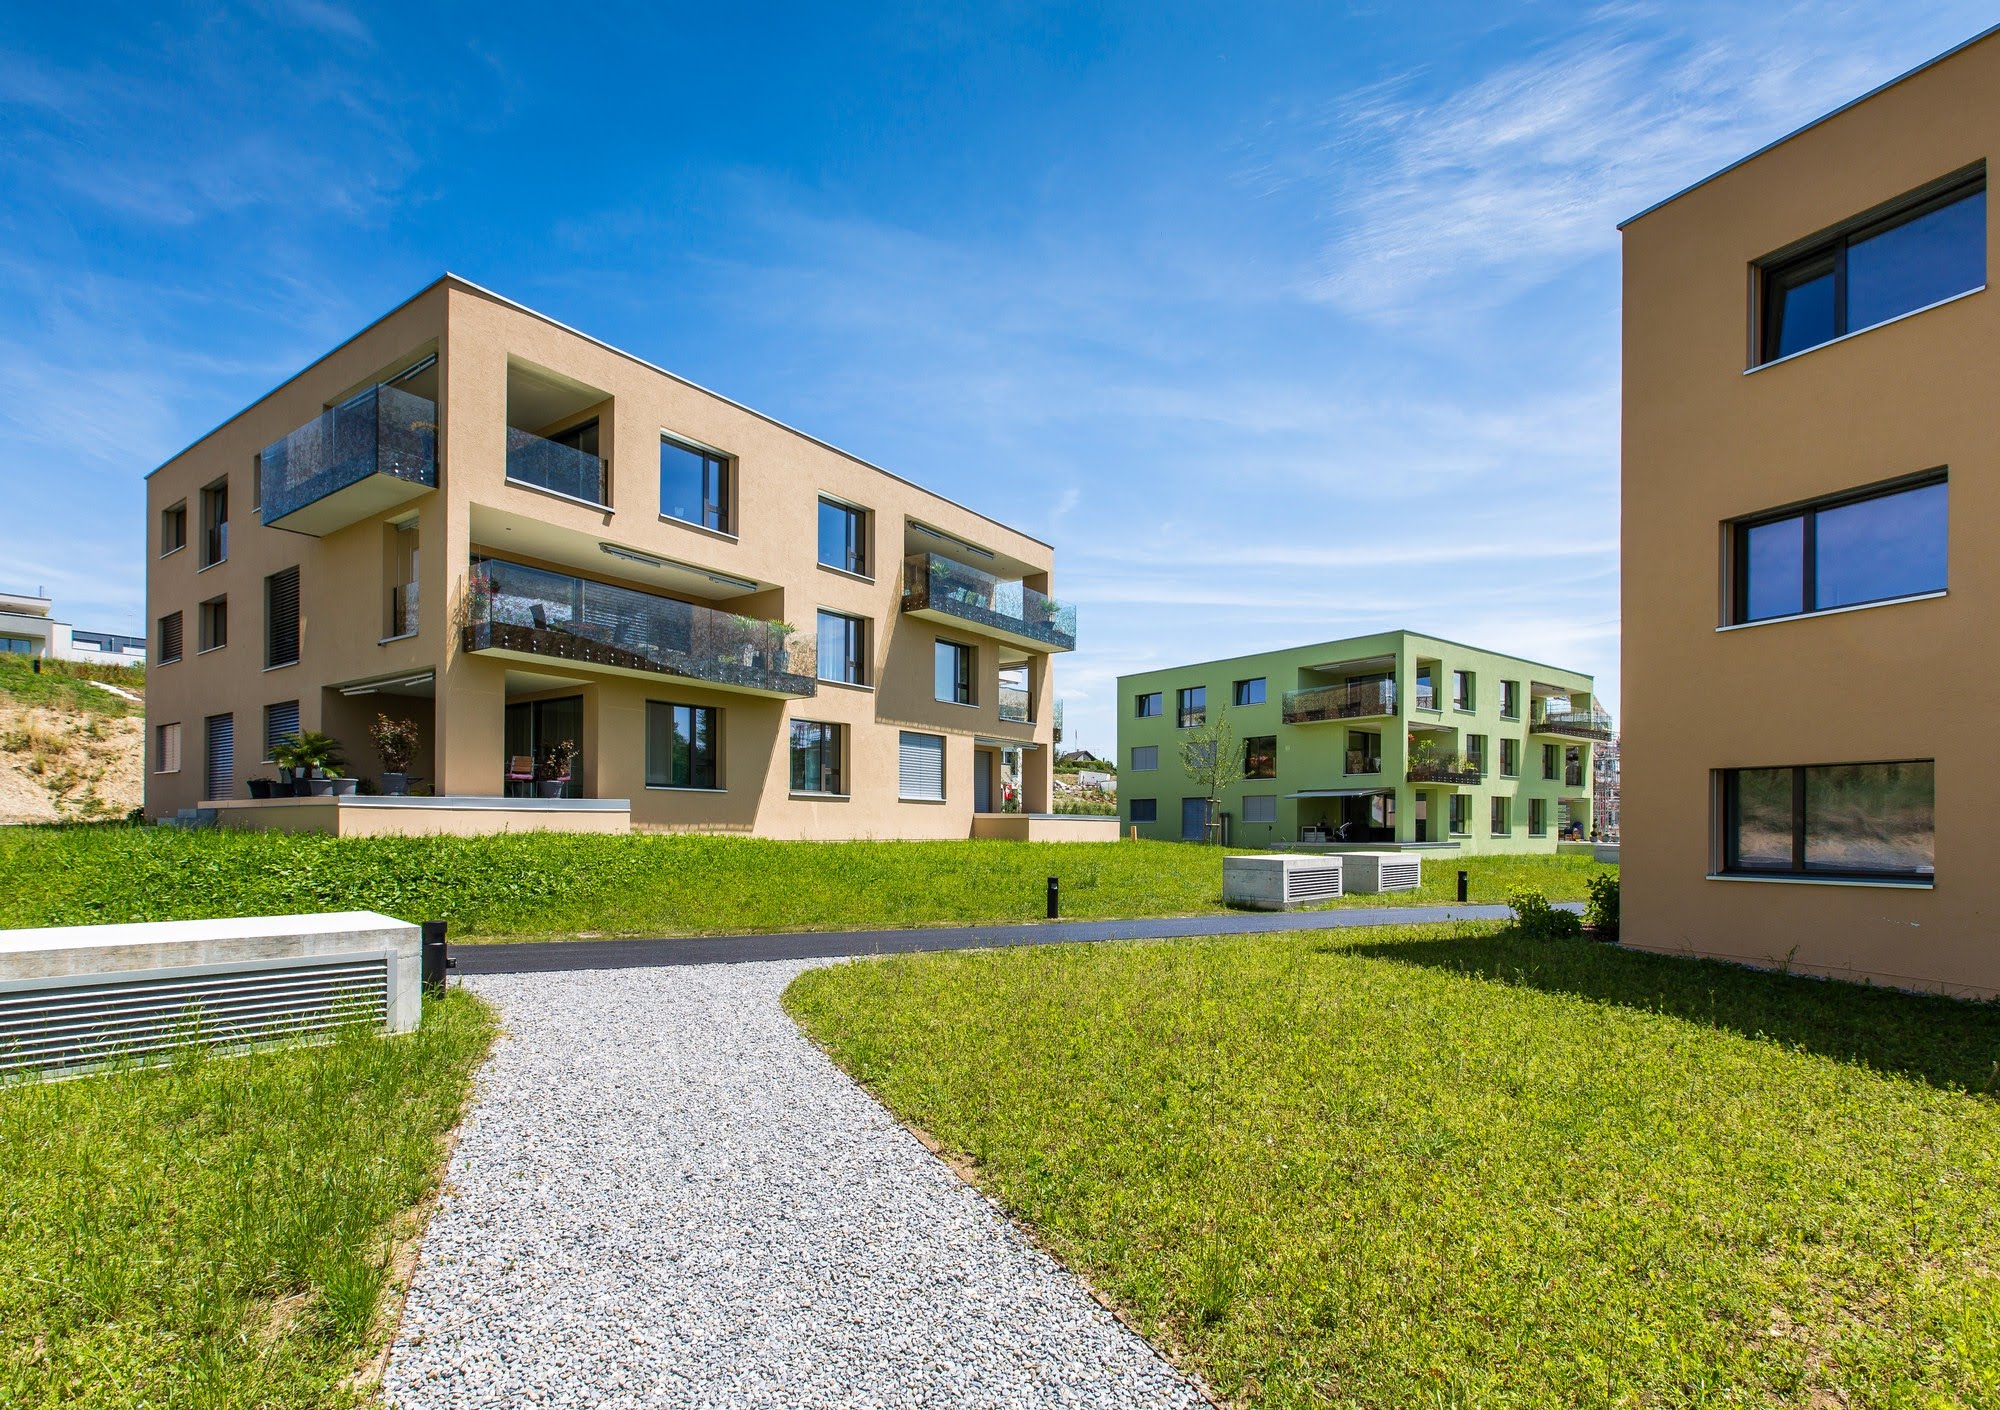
1250,692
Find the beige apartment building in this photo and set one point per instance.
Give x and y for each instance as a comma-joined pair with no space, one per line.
1811,461
527,542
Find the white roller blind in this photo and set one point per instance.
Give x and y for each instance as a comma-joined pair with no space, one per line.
920,766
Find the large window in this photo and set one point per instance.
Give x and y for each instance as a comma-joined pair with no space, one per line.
1510,700
173,528
683,746
1461,815
212,624
1502,820
952,672
1475,752
1143,810
1923,252
816,758
281,618
1872,821
843,537
215,523
1146,706
1538,817
1260,756
1872,547
1192,706
170,638
281,722
1551,761
1462,697
1364,752
1510,758
920,767
843,648
1145,758
1250,692
694,485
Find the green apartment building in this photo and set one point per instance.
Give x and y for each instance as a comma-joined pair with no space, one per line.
1385,742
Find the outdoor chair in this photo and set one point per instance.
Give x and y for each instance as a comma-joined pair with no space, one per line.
521,768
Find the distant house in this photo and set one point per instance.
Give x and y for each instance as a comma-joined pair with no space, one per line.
1081,757
28,628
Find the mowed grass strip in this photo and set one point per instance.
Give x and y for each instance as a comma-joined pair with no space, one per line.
1446,1166
556,885
217,1233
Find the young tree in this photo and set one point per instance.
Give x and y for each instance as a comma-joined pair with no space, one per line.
1210,758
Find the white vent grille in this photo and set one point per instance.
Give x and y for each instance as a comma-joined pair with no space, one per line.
1308,883
49,1025
1401,876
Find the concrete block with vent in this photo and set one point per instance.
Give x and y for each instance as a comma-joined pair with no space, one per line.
77,997
1280,883
1372,873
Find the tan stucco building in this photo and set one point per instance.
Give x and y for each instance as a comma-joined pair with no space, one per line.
474,518
1811,459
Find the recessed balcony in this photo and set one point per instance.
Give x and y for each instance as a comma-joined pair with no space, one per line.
937,589
535,616
1352,700
364,457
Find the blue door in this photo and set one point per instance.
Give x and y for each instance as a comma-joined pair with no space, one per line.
1194,819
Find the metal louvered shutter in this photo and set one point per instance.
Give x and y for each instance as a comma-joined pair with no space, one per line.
281,721
170,637
219,760
920,766
281,618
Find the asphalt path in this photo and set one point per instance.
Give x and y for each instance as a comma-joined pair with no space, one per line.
553,956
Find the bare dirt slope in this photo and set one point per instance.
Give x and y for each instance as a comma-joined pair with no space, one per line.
70,759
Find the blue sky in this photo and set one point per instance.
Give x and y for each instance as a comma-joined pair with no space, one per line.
1282,323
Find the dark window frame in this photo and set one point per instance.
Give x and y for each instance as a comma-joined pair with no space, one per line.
1738,540
273,653
830,739
717,514
1729,820
1154,699
173,634
1256,759
175,515
963,657
1187,715
855,548
856,644
1152,806
1240,692
1772,269
713,736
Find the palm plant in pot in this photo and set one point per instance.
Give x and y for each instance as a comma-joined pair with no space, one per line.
396,741
316,761
557,759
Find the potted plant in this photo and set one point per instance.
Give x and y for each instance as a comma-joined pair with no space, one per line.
556,761
259,787
317,758
396,741
285,755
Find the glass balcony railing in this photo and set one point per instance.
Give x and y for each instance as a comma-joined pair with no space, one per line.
935,584
1014,704
1350,700
1587,723
550,465
383,432
513,607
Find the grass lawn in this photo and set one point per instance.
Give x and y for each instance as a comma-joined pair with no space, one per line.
216,1233
1446,1166
547,886
63,685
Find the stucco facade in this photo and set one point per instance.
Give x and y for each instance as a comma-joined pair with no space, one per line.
529,571
1726,427
1371,732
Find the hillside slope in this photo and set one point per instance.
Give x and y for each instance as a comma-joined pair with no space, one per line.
71,750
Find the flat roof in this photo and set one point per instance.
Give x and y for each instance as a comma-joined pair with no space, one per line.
1348,641
1823,117
466,284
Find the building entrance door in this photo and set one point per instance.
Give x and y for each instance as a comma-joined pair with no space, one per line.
982,780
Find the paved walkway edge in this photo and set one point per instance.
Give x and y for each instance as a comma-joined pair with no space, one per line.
552,956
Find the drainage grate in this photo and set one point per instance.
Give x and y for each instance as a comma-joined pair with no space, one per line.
52,1025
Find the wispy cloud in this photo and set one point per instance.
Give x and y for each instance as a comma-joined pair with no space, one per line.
1442,202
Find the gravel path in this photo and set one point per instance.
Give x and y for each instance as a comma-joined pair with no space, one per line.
665,1196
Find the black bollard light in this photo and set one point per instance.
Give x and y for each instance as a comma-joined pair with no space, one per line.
437,958
1461,886
1055,898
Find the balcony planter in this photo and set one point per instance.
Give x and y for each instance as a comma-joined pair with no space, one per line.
342,787
551,787
259,787
394,785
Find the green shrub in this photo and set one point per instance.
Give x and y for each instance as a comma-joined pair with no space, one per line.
1535,918
1600,913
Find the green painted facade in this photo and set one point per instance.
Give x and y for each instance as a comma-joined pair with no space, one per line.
1372,732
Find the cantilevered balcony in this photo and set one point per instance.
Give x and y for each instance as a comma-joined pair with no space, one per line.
1567,723
937,589
367,455
1350,700
537,616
